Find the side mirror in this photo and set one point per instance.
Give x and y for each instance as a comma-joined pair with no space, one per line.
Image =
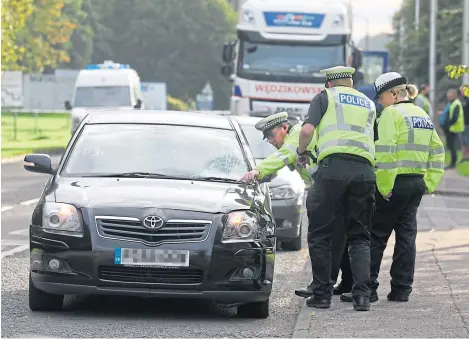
226,70
67,105
357,58
227,55
38,163
138,105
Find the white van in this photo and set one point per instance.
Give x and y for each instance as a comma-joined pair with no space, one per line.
104,86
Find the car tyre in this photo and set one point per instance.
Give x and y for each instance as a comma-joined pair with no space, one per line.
42,301
295,244
259,310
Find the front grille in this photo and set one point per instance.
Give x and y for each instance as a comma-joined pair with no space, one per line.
172,231
151,275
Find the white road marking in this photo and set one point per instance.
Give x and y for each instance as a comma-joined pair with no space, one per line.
6,208
20,232
14,242
29,202
446,209
15,250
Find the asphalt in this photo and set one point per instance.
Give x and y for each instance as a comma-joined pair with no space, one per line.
433,309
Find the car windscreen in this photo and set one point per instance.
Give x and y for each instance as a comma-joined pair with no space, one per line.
167,150
260,148
102,96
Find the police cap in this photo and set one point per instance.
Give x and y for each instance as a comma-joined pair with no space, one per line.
338,72
387,81
267,124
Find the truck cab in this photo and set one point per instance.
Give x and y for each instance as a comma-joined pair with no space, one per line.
280,48
104,86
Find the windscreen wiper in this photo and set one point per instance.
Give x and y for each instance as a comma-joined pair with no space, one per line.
138,175
217,179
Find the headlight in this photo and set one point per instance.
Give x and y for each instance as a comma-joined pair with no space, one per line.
248,17
283,192
240,226
62,219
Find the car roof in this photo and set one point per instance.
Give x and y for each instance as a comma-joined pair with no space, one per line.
130,116
247,120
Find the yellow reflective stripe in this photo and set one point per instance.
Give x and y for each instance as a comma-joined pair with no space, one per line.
342,127
283,157
437,150
385,149
435,165
345,142
312,169
401,163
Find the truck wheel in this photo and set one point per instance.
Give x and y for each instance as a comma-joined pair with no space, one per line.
259,310
42,301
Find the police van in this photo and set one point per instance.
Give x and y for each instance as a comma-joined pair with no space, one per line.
104,86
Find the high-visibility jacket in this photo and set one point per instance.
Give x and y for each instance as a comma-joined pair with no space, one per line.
458,126
286,155
423,103
347,125
407,144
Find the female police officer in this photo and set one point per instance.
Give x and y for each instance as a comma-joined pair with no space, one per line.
410,163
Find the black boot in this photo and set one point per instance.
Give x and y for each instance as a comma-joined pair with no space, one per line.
340,289
318,302
361,303
304,292
347,297
394,296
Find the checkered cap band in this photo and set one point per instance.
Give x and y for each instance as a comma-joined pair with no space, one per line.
335,76
381,88
273,123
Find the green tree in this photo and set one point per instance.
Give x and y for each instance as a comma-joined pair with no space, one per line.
178,42
14,15
46,35
409,48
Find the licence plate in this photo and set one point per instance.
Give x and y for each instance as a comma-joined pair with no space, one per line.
151,257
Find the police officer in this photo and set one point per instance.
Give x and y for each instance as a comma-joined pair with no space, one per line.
344,183
283,135
410,161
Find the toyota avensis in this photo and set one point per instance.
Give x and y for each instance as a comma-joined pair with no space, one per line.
149,204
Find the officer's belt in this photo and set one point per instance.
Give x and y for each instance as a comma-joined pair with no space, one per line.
346,156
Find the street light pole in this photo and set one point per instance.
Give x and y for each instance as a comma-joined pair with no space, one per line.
432,59
417,14
465,40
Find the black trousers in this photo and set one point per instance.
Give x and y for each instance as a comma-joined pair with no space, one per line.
346,277
452,145
399,214
344,189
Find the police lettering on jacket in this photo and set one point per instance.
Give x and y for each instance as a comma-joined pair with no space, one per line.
354,100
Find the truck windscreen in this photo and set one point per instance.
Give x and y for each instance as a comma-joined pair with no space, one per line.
102,96
295,60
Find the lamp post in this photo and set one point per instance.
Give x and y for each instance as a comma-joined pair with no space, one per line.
432,58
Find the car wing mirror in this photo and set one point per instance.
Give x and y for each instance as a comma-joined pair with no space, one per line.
38,163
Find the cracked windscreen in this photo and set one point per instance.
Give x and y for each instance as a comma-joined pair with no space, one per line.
156,151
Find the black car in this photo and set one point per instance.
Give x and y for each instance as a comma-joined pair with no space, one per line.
149,204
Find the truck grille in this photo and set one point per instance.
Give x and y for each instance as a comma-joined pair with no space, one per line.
151,275
172,231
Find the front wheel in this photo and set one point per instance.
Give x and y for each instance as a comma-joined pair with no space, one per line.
259,310
42,301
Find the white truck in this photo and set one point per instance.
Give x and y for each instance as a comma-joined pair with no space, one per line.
280,48
104,86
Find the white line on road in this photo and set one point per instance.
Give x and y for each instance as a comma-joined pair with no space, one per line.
14,242
20,232
29,202
6,208
446,209
15,250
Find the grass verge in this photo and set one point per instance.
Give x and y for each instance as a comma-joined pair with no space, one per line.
31,133
462,167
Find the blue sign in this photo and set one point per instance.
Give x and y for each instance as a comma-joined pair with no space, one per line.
301,20
422,122
204,102
354,100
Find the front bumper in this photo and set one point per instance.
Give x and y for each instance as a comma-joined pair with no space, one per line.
214,272
287,214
